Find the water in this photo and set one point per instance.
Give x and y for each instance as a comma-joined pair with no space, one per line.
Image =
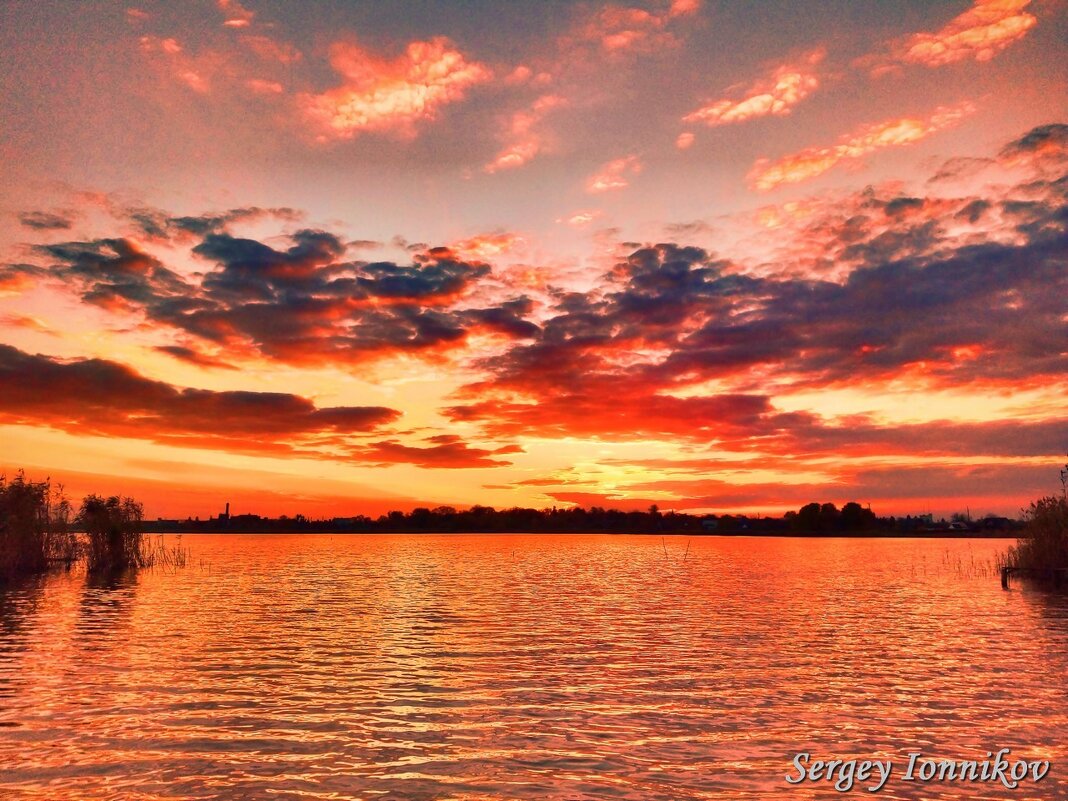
526,667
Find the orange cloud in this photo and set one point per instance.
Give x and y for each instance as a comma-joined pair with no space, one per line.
814,161
681,8
776,95
684,141
614,175
979,33
486,246
392,96
524,140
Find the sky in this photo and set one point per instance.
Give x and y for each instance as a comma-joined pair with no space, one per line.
337,258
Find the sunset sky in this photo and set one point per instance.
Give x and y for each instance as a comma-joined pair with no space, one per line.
343,257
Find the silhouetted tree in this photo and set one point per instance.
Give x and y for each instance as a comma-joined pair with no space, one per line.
855,517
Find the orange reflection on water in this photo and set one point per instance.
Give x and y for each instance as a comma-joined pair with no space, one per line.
516,667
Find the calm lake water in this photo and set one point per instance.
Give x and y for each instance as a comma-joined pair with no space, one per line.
527,667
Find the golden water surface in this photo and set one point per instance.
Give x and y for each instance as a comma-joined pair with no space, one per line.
527,667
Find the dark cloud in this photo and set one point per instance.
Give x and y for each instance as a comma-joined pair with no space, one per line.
439,274
673,341
159,225
301,303
973,211
1043,140
860,436
629,358
960,168
507,318
193,356
208,223
94,396
45,221
112,272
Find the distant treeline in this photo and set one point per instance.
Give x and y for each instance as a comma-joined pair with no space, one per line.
811,519
39,528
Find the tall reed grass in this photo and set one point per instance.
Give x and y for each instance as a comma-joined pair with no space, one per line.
38,529
1044,543
34,526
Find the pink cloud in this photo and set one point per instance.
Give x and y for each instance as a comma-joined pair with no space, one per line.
580,219
615,174
524,140
814,161
775,95
391,96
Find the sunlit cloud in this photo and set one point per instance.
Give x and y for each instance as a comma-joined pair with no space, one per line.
979,34
391,96
775,95
486,246
615,174
815,161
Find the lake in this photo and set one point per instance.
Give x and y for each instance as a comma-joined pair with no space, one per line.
527,667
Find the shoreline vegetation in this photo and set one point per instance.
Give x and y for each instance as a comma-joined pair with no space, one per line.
39,529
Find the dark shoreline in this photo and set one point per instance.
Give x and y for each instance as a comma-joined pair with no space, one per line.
873,535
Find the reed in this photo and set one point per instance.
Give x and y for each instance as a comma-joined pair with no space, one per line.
1044,543
38,530
34,527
